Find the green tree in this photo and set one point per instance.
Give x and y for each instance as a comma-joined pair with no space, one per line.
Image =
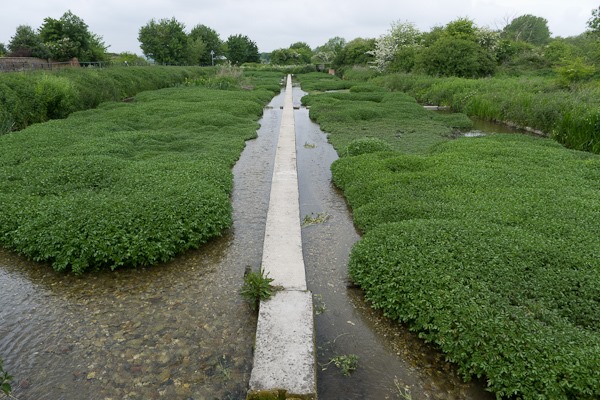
303,50
27,43
459,49
196,50
164,41
3,50
240,49
70,37
402,39
593,23
356,52
212,42
327,53
285,57
528,28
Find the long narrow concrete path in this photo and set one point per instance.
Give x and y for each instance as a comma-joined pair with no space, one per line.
284,354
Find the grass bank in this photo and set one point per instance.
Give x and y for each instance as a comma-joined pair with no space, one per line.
570,116
126,184
31,97
487,247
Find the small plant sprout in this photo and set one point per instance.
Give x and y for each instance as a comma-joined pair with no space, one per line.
403,392
256,287
347,364
309,145
314,219
5,380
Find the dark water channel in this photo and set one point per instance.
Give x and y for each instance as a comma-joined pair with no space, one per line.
175,331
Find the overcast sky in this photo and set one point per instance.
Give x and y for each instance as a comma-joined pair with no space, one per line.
274,24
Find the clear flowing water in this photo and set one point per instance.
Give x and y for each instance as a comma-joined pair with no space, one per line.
175,331
392,362
181,331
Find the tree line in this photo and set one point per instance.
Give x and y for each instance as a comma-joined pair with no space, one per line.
459,48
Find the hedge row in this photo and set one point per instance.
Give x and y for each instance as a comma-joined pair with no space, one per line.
31,97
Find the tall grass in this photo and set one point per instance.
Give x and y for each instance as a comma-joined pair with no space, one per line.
568,115
30,97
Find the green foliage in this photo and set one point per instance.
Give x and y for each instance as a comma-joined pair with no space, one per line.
130,59
319,81
303,50
593,23
450,56
402,39
459,49
164,41
37,96
5,380
70,37
356,52
127,184
27,43
360,73
257,287
347,364
528,28
473,247
366,145
286,57
575,70
212,42
57,97
570,116
392,118
240,49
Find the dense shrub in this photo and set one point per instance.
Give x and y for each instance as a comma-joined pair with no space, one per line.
487,247
125,184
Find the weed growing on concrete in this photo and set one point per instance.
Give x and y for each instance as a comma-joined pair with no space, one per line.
5,380
309,145
257,287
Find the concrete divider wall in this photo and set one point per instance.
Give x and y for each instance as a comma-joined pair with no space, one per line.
284,355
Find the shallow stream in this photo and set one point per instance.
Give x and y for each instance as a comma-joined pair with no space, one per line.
181,331
174,331
392,362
